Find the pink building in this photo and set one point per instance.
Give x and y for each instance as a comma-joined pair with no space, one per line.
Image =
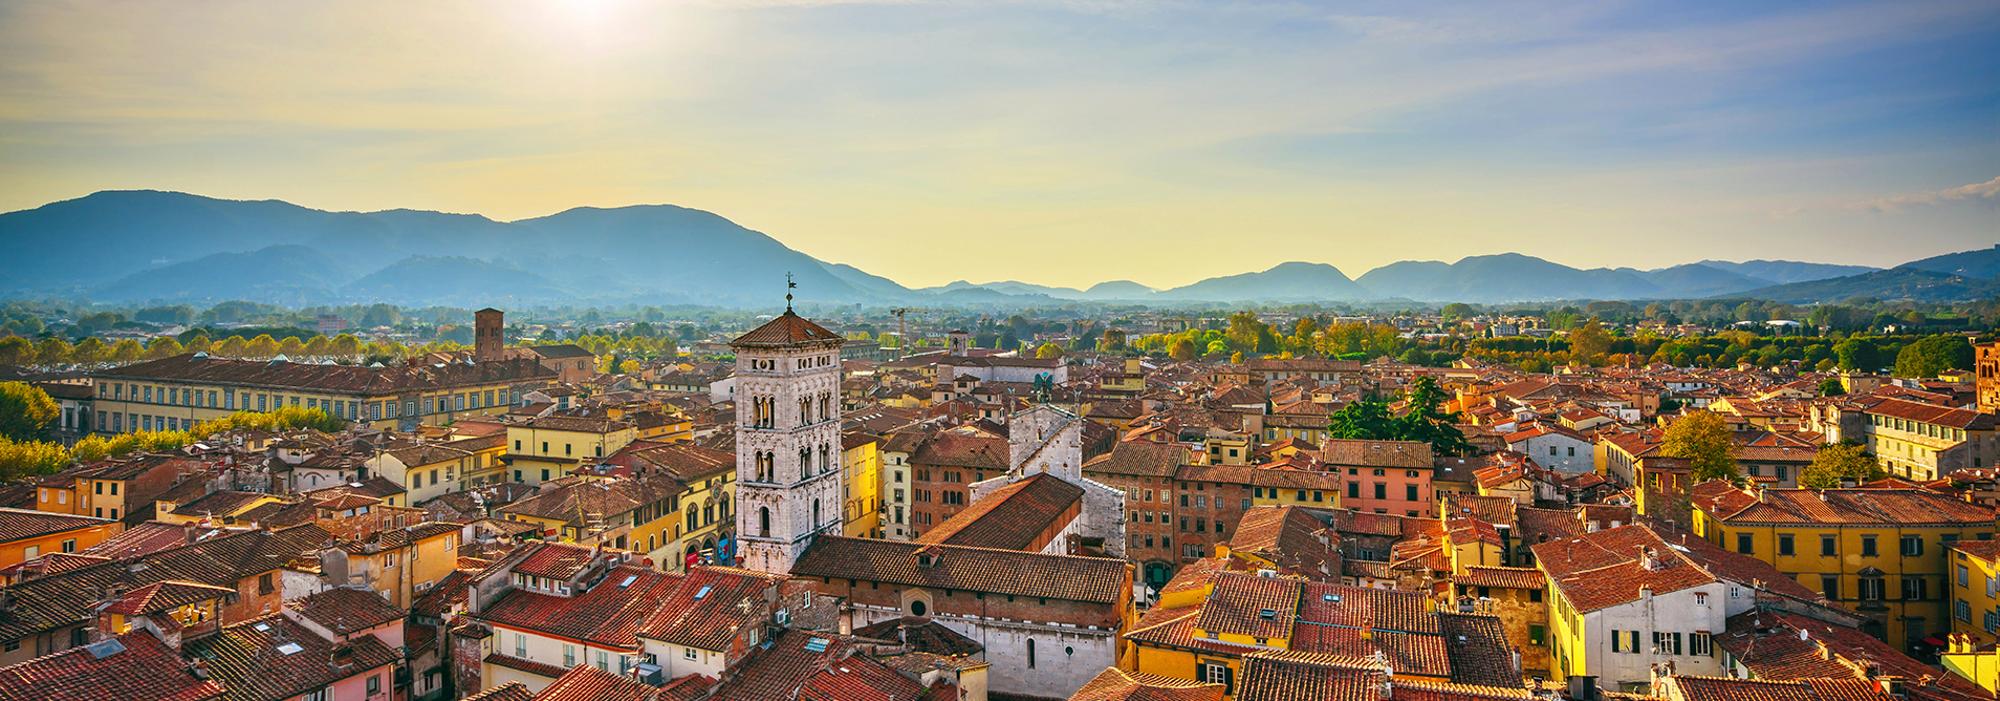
1383,477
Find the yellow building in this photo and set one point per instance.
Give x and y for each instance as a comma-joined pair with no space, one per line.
861,468
32,534
396,563
551,447
1883,552
176,393
222,506
702,519
176,606
1975,591
110,488
1965,657
1924,441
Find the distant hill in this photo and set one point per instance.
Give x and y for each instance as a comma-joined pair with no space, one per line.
1981,264
1697,280
288,274
1785,271
1500,278
1117,289
454,280
1894,283
150,246
1285,282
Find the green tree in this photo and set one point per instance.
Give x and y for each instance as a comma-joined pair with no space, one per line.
163,347
25,411
1425,421
1704,439
1931,355
1831,387
1857,353
1048,350
1183,349
54,351
15,350
1839,461
1589,343
1366,419
90,351
127,350
1112,340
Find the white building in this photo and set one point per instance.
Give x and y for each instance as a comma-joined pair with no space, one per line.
788,450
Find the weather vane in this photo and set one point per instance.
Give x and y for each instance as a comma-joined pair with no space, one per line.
789,286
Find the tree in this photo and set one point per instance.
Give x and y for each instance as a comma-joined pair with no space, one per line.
15,350
1857,353
1425,421
1048,350
1113,340
1589,343
90,351
1366,419
1840,461
25,411
54,351
1182,349
1704,439
127,350
163,347
1831,387
1931,355
1457,310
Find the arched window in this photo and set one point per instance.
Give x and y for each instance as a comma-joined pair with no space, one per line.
764,521
805,463
1031,653
815,514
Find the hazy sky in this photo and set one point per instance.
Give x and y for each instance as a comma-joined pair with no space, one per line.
1061,142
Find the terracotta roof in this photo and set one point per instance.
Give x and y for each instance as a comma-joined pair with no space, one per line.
1730,689
1933,414
131,666
1143,458
608,614
1344,452
1290,537
510,691
1013,517
587,683
1087,579
1846,506
559,561
21,524
345,611
272,658
960,449
1604,569
789,329
1114,684
921,634
1502,577
703,610
341,379
162,596
811,666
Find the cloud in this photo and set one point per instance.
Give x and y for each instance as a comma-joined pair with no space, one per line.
1975,191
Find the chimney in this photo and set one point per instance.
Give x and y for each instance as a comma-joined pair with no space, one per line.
488,345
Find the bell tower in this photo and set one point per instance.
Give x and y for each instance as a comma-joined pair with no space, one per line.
788,451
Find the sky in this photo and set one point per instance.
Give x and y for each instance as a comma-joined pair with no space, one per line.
1060,143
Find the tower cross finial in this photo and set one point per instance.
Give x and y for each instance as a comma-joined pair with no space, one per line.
789,286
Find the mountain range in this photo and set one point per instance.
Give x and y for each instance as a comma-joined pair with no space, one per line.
150,246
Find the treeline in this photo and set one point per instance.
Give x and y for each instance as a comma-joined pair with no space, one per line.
1905,355
22,458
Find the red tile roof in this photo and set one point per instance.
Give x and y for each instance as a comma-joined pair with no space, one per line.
587,683
256,661
21,524
608,614
1013,517
1603,569
789,329
1086,579
131,666
1114,684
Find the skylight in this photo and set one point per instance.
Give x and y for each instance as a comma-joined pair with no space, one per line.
702,593
817,645
629,579
291,648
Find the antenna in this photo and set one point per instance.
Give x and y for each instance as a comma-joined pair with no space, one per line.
789,286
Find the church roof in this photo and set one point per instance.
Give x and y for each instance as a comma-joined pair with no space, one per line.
1014,517
787,330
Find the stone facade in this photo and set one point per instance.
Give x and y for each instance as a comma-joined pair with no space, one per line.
788,450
